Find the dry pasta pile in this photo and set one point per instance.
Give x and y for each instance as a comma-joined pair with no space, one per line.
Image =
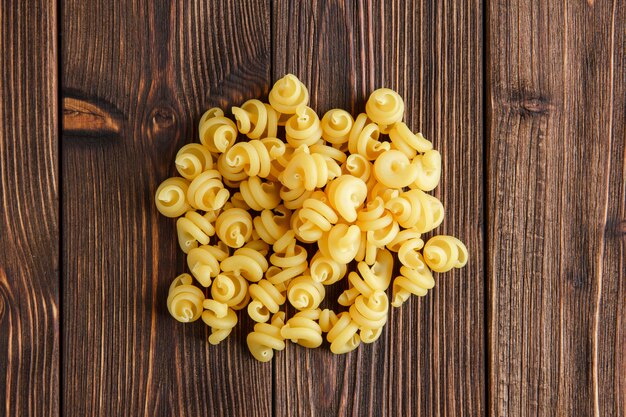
356,189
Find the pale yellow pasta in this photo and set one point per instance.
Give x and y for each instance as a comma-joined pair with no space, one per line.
217,133
343,335
231,175
346,194
234,227
192,160
402,237
272,224
231,289
266,298
250,157
382,191
247,262
256,119
289,260
303,329
184,300
303,128
237,201
442,253
342,242
409,251
204,262
428,170
260,195
288,94
171,197
358,166
363,139
367,250
326,270
336,126
385,107
194,228
304,293
370,314
308,171
368,279
220,318
266,338
417,280
416,209
327,319
206,192
408,142
328,152
316,217
381,237
393,169
293,199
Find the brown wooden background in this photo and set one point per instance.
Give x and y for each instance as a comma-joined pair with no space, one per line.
526,99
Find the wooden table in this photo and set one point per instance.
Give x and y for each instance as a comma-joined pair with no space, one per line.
526,99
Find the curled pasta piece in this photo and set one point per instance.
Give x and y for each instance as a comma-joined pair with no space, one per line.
304,293
370,314
368,279
288,94
303,128
293,199
266,338
217,133
254,158
303,329
247,262
220,318
363,139
289,260
256,119
171,197
367,251
231,289
407,142
328,152
442,253
260,195
346,194
394,170
204,262
266,299
409,251
194,228
385,107
336,126
234,227
326,270
343,335
427,170
342,242
232,175
402,237
237,201
184,300
272,224
316,217
358,166
416,209
206,192
417,280
327,319
382,191
308,171
192,160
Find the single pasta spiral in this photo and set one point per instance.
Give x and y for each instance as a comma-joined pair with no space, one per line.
393,169
427,170
260,195
415,208
204,262
382,191
416,280
363,139
217,133
288,94
171,197
289,260
247,262
256,119
293,199
385,107
266,338
231,289
358,166
326,270
308,171
316,217
328,152
220,318
368,279
303,128
346,194
379,225
341,243
402,237
327,319
266,298
303,329
304,293
254,158
343,335
184,300
192,160
442,253
234,227
407,142
206,192
336,126
194,228
272,224
370,314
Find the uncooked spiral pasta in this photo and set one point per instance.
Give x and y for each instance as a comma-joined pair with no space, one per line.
171,197
272,224
254,158
341,243
363,139
184,301
370,314
316,217
385,107
266,338
260,195
402,237
237,201
304,293
234,227
393,169
293,199
192,160
368,279
220,318
266,298
417,280
382,191
308,171
442,253
288,94
247,262
194,228
303,329
256,119
336,126
328,152
415,208
288,260
231,289
358,166
204,262
217,133
346,194
428,170
408,142
326,270
206,192
343,335
303,128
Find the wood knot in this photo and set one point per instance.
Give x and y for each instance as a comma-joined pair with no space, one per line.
528,103
92,117
163,117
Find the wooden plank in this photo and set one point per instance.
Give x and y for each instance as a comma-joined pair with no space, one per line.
430,359
556,208
137,76
29,210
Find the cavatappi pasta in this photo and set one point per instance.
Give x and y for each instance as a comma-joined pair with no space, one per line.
268,217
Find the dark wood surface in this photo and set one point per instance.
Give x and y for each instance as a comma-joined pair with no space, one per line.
525,99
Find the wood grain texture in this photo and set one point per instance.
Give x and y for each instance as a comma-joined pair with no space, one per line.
29,210
137,75
430,358
556,208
